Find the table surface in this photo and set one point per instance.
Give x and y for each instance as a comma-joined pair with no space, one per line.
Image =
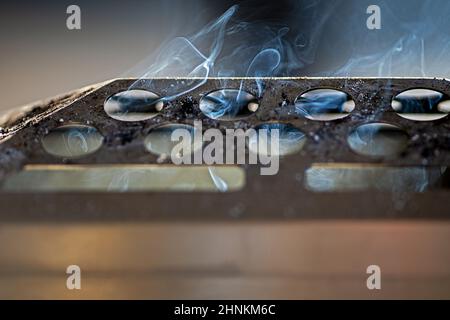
245,260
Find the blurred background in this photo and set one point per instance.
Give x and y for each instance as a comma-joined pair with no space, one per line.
40,57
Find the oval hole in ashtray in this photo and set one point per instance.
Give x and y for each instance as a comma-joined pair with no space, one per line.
72,141
228,104
378,140
324,105
159,140
133,105
421,105
290,139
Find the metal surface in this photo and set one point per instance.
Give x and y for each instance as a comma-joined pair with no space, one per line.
280,197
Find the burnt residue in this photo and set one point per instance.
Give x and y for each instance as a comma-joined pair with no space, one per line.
372,97
33,114
429,144
11,160
326,139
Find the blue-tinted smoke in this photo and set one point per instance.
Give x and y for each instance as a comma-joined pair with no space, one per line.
311,38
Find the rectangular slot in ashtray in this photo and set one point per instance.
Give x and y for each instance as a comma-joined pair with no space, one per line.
349,177
125,178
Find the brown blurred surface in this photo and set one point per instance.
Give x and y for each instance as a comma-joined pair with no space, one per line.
293,260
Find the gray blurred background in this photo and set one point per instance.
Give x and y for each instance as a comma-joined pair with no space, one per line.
40,57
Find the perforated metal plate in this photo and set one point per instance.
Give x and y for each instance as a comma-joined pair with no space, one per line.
287,195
